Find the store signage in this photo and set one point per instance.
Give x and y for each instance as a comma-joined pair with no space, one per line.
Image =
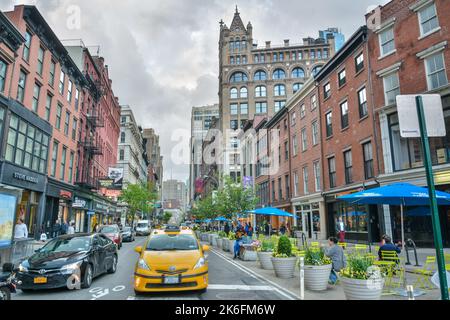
65,194
24,177
116,174
106,183
79,203
100,206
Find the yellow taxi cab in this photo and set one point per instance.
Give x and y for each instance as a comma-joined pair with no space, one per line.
171,260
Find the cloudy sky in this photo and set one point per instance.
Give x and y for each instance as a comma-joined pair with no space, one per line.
163,54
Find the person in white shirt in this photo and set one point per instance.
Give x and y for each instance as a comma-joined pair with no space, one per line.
20,230
71,229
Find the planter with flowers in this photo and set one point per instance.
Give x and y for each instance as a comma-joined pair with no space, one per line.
219,240
361,279
317,269
283,260
231,241
265,253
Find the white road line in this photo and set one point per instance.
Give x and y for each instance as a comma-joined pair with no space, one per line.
239,287
280,290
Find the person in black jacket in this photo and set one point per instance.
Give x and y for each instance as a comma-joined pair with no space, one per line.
226,229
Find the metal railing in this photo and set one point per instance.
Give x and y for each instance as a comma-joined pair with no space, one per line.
411,244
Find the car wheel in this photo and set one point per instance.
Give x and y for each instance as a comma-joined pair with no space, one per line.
5,294
138,293
87,277
202,291
113,268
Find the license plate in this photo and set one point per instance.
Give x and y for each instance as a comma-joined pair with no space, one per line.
40,280
171,280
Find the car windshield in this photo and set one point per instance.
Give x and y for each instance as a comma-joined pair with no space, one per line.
126,229
68,245
108,229
142,225
169,242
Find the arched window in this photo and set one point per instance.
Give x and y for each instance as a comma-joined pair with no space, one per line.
244,92
316,70
233,93
297,86
260,91
279,90
298,73
238,77
279,74
260,75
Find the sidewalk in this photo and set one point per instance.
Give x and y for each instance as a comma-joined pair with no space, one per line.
332,293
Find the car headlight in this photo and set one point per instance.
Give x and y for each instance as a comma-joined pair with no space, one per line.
143,265
22,268
200,263
70,268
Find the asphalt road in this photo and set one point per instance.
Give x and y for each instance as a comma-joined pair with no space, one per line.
227,281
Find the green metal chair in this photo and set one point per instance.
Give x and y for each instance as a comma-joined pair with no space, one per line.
423,280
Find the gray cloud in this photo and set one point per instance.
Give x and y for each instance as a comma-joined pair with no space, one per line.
163,56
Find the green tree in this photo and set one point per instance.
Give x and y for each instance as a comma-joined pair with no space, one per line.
204,208
139,197
166,217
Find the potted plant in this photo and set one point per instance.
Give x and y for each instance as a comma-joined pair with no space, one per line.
361,279
219,240
283,260
317,269
231,241
225,243
265,253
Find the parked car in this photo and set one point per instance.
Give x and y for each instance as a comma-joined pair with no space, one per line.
128,234
68,261
143,228
113,232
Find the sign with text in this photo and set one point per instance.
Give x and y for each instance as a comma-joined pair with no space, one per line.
7,212
408,118
116,174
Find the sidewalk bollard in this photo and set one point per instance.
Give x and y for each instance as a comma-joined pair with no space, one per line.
302,278
410,291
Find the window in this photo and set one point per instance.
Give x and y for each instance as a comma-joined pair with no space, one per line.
3,69
342,78
238,77
244,92
295,145
315,133
326,90
234,124
40,64
279,105
296,87
293,56
256,58
121,155
359,62
66,123
58,117
293,119
325,53
74,128
319,54
286,150
387,43
428,19
233,93
348,167
391,88
69,91
281,56
244,108
77,98
305,180
279,90
317,184
263,58
260,91
36,94
316,70
362,103
296,183
234,143
298,73
231,60
26,47
312,54
62,77
302,111
62,169
304,140
123,119
122,137
261,107
48,107
51,78
233,109
71,159
273,190
244,59
332,171
279,74
436,75
368,160
280,189
238,60
275,57
313,102
54,158
21,86
260,75
344,115
329,123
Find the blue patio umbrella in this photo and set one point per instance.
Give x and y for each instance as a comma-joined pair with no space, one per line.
269,211
221,219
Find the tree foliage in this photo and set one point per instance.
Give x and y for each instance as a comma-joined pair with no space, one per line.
139,197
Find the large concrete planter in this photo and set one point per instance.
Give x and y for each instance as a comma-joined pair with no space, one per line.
356,289
225,245
219,242
231,245
284,267
316,277
204,237
214,239
249,255
265,259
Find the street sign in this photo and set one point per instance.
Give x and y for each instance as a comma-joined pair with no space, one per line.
409,121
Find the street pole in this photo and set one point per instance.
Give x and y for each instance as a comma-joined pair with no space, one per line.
433,202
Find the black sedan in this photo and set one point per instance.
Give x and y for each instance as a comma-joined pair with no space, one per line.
70,261
128,234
